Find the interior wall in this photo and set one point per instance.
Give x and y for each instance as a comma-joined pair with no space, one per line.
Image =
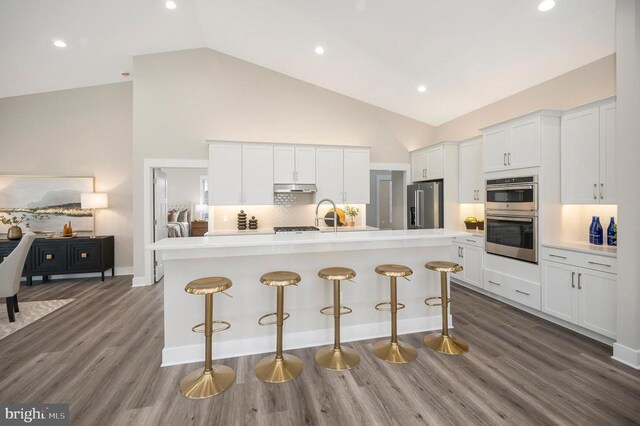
77,132
183,98
589,83
183,186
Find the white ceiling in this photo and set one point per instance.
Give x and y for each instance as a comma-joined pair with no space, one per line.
468,52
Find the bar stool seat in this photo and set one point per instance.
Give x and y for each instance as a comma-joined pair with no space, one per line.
394,351
337,357
442,342
281,367
214,379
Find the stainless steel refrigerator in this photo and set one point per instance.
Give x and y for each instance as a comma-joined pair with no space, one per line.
425,205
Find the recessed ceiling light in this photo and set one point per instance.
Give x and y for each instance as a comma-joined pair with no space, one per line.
319,50
422,89
546,5
125,74
170,5
59,43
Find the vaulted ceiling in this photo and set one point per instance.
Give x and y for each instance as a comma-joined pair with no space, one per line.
468,53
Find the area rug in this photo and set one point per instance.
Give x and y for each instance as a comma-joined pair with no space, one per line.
29,312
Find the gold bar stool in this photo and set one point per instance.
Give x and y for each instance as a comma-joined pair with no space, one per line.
214,379
281,367
337,357
394,351
442,342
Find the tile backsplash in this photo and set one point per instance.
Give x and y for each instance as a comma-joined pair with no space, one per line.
289,210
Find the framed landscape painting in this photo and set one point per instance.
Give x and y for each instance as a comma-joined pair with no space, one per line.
46,202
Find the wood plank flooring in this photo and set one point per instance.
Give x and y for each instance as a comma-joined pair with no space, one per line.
101,354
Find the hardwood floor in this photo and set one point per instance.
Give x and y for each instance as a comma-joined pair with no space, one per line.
101,354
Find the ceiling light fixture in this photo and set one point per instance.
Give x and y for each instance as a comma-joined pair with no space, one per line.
59,43
546,5
319,50
422,89
170,4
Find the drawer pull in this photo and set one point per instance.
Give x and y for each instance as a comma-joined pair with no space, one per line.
472,241
599,264
48,256
493,282
557,255
523,292
83,255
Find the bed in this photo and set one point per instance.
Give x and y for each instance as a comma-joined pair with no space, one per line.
179,220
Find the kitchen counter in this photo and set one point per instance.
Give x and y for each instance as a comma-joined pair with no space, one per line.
348,228
244,260
582,247
267,231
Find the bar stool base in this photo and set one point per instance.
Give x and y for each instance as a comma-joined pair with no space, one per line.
344,358
273,370
397,353
446,344
200,384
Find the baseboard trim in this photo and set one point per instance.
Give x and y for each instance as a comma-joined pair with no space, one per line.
265,344
583,331
141,282
626,355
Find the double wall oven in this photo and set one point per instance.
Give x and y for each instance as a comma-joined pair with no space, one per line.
511,217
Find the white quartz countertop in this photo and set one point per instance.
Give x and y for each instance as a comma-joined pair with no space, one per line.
583,247
267,231
304,239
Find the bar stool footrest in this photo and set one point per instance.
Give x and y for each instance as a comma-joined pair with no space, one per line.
199,328
328,310
428,300
264,324
379,306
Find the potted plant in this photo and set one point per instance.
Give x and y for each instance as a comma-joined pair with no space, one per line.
14,232
352,212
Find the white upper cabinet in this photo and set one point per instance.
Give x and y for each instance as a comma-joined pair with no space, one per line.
588,155
435,162
356,176
225,174
471,179
427,163
513,145
329,174
257,174
294,164
419,165
240,174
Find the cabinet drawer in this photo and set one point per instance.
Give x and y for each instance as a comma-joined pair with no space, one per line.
85,255
495,283
49,257
521,291
583,260
471,240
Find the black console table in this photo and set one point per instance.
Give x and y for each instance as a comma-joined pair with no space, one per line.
64,256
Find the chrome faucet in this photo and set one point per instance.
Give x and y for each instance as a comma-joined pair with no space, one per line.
335,214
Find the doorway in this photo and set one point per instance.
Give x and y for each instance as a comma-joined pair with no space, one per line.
387,199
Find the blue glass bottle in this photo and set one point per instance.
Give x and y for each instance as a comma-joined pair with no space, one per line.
598,237
612,234
592,228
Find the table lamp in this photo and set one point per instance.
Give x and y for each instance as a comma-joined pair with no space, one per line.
93,201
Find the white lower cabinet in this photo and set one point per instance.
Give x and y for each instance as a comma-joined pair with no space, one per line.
521,291
468,252
580,296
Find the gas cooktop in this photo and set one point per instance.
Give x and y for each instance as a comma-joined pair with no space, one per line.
297,229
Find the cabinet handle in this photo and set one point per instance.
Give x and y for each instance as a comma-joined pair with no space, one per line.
462,251
83,255
523,292
493,282
509,158
602,191
48,256
475,196
504,159
557,255
595,190
573,275
472,241
599,264
579,284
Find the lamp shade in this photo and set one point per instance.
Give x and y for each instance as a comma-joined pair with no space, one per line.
94,200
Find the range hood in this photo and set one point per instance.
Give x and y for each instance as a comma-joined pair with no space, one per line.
280,188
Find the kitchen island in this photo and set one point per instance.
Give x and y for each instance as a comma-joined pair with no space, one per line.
243,259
